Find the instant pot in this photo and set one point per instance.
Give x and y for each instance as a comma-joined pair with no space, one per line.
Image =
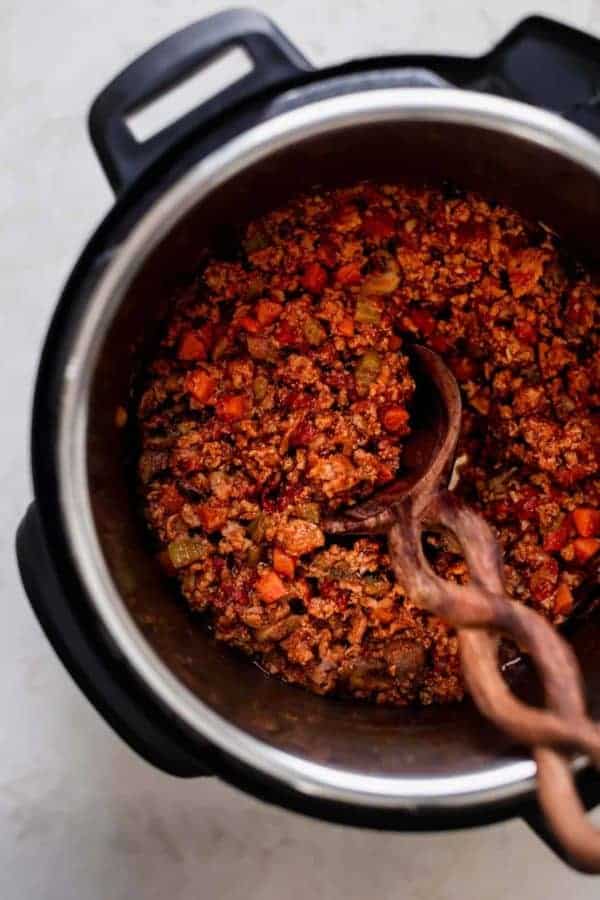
517,124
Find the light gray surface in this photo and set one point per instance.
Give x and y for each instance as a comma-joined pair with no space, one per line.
81,818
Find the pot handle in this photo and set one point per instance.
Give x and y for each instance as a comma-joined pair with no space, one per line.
273,57
101,674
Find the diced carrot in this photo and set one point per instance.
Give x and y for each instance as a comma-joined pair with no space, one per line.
191,347
267,311
233,407
558,538
587,521
348,274
563,602
200,385
379,224
314,278
283,563
249,324
394,418
212,515
585,548
346,326
270,586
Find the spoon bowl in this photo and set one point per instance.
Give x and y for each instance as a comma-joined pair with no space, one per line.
428,452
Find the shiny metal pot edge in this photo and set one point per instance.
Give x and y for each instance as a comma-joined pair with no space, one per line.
504,781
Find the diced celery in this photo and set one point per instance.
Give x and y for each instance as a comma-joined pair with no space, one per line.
366,371
367,311
256,529
183,553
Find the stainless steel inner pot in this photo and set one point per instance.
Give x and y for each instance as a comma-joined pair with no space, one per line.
433,759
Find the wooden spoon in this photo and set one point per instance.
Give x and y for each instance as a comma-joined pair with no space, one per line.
480,610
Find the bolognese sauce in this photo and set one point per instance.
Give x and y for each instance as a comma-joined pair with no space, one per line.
281,392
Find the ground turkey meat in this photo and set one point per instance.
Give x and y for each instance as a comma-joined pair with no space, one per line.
281,392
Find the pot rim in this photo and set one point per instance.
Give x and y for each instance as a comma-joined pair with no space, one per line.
512,778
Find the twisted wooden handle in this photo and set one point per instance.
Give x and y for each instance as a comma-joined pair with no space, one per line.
482,613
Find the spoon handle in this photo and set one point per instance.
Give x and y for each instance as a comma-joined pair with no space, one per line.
481,613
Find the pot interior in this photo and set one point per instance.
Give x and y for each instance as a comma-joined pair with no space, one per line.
435,741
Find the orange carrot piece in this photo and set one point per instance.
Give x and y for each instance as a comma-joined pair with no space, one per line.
348,274
558,538
314,278
563,602
191,347
585,548
346,326
394,418
270,587
212,515
283,564
587,521
233,407
200,385
249,324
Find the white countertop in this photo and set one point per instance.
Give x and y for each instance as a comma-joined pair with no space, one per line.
81,817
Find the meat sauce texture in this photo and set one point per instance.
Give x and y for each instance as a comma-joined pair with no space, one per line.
281,392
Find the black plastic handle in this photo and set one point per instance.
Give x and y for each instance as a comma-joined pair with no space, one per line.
274,59
103,678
